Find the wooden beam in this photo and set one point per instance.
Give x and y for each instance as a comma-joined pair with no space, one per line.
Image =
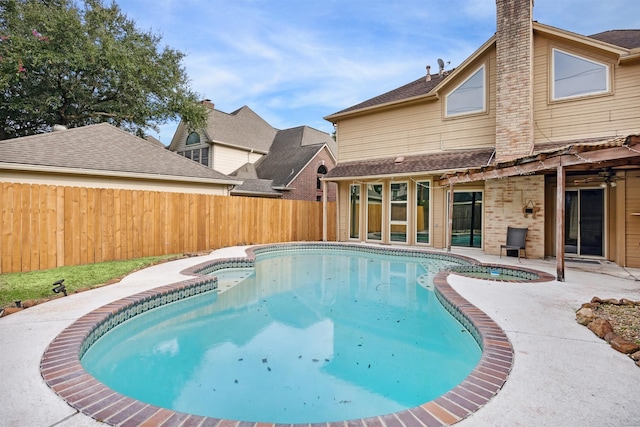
560,224
542,163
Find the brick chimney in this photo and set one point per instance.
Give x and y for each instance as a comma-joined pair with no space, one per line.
514,79
207,103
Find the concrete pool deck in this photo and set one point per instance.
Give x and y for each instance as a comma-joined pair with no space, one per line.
562,373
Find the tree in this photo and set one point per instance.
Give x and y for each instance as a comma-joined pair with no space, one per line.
72,65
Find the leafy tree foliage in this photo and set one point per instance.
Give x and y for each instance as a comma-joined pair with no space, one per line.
74,65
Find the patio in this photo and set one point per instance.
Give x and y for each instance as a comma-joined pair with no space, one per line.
562,374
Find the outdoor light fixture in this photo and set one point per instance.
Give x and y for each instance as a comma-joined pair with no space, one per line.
58,286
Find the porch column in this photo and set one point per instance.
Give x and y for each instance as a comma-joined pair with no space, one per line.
450,219
324,211
560,224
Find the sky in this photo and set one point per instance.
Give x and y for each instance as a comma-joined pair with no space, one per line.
294,62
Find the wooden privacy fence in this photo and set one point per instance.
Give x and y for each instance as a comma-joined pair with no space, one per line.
45,226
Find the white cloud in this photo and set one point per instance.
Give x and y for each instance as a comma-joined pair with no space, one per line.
295,62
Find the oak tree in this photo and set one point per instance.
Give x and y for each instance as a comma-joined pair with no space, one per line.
74,64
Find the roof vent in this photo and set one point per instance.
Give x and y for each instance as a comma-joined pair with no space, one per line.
57,128
428,73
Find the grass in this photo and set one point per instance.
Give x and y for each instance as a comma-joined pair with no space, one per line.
37,285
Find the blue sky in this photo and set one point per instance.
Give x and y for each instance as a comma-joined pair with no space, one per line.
296,61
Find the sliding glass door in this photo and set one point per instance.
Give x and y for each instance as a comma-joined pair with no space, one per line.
467,219
584,222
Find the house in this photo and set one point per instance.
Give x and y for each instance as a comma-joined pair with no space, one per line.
271,163
539,128
104,156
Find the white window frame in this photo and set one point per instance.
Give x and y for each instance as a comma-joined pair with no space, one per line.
419,182
350,216
605,65
405,222
483,109
382,201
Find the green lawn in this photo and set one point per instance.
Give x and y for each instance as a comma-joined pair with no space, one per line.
37,285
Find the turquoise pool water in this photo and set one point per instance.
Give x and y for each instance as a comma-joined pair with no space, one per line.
307,336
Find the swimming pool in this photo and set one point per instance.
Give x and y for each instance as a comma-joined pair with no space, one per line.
62,371
309,336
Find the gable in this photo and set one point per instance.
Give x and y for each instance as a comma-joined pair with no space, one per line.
290,152
242,129
618,42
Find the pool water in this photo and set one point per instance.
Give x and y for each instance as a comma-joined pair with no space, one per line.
307,336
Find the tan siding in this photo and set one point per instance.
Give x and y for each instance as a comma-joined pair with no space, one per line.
418,128
115,182
228,159
596,116
412,130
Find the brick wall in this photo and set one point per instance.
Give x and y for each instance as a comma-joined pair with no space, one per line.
305,183
514,75
504,203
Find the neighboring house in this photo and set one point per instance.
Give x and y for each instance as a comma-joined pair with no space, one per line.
538,128
103,156
299,157
270,162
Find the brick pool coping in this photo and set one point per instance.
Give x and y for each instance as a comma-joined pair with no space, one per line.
62,371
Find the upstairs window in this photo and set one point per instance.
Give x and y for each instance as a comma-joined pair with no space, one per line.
193,138
574,76
322,170
469,97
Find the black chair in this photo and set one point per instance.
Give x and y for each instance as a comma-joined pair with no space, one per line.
516,240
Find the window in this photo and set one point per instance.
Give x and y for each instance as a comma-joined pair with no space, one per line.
398,212
204,158
574,76
422,211
469,97
200,155
374,211
322,170
354,211
193,138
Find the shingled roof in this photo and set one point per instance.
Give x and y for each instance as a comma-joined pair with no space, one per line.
427,163
418,87
241,128
256,187
101,148
629,39
290,152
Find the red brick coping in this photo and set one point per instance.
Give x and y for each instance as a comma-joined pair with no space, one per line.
62,371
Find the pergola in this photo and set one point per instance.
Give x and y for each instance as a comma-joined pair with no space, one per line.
585,155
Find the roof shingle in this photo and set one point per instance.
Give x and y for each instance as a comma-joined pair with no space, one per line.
101,147
629,39
291,150
427,163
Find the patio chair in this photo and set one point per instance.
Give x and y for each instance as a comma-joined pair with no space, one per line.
516,240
